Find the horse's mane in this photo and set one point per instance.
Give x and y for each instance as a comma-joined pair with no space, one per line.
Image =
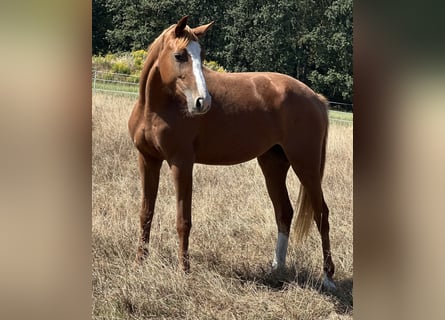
153,52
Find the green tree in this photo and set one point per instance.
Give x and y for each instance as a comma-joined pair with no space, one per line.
138,22
258,36
329,52
100,24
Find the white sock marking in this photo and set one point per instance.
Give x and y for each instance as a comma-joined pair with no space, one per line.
279,259
194,50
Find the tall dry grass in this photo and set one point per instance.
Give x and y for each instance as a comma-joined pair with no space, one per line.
231,243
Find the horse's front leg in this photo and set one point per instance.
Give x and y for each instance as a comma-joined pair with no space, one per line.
182,171
149,169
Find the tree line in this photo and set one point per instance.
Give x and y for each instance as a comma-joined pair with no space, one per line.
307,39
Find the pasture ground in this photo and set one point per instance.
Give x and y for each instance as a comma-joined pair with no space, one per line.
231,243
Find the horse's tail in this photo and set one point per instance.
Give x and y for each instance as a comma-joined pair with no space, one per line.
305,211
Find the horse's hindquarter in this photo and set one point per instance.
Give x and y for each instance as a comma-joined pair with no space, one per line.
250,113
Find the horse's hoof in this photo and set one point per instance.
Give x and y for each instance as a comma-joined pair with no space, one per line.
328,284
141,255
184,265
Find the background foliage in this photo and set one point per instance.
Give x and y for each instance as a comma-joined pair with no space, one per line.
307,39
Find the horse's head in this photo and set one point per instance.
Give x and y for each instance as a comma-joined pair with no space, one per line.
180,65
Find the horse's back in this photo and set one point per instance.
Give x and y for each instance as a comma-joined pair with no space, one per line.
277,98
253,90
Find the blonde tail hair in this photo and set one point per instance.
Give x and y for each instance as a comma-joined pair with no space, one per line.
305,216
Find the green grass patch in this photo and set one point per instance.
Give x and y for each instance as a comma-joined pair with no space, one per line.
339,115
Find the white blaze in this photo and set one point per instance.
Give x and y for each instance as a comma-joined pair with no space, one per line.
279,259
194,50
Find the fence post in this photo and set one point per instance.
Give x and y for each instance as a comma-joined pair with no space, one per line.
94,80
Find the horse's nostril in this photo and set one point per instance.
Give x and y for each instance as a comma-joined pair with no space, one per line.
199,103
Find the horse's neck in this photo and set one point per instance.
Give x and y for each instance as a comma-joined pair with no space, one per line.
156,94
213,76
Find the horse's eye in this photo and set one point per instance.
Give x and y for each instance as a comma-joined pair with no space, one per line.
181,57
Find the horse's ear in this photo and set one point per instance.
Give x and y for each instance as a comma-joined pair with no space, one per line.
201,30
180,26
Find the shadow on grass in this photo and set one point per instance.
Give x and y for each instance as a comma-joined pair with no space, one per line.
262,277
289,277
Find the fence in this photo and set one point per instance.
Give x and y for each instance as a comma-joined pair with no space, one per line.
115,82
128,84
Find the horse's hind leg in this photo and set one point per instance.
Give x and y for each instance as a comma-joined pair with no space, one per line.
149,170
310,179
275,166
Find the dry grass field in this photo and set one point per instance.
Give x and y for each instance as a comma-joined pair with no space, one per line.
231,243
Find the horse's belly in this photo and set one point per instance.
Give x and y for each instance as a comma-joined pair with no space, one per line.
231,152
228,159
237,134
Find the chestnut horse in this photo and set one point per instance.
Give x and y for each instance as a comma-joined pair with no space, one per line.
189,114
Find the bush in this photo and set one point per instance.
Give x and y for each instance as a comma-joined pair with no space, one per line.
139,57
103,62
213,65
120,67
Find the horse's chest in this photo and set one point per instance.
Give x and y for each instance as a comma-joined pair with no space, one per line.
164,139
152,135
